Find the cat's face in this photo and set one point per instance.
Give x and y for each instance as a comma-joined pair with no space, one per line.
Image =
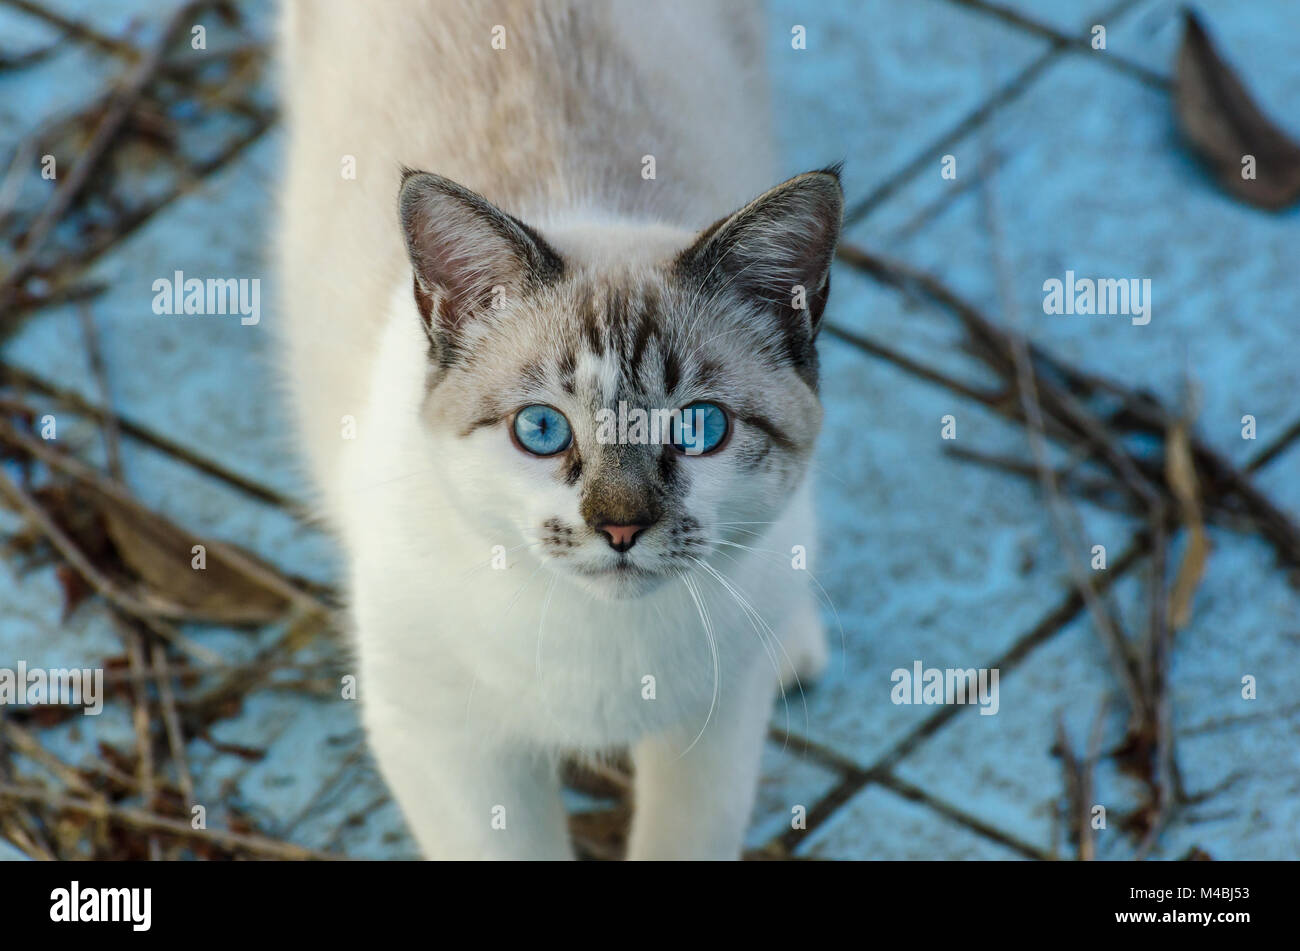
632,402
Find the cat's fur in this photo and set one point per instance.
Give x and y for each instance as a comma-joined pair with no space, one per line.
424,316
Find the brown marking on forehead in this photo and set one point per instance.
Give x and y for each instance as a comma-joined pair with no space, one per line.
592,329
620,317
618,303
643,329
534,373
568,367
672,370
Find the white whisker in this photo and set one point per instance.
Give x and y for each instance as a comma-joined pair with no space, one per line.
713,649
755,620
812,577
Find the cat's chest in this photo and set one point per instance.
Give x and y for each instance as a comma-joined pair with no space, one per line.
522,651
570,671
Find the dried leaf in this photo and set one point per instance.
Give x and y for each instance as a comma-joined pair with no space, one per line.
601,834
1180,470
1190,572
136,548
1180,474
74,587
1223,125
161,554
599,780
251,753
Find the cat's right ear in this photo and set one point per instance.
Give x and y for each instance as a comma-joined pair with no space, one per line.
467,254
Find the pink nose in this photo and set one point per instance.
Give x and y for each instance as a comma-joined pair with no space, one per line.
622,537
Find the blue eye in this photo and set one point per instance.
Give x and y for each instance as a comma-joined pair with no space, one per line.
702,428
542,430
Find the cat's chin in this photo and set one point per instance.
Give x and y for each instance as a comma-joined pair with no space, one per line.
622,582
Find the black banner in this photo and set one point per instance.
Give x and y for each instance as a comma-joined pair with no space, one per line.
231,901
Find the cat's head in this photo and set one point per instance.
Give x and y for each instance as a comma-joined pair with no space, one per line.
559,366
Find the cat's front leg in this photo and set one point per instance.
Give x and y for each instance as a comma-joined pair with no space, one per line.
805,649
695,803
468,796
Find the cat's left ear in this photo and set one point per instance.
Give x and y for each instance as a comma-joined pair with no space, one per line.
466,253
777,249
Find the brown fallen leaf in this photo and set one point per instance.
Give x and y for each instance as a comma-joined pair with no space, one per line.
162,555
598,779
1221,121
1180,474
150,558
75,590
602,833
144,556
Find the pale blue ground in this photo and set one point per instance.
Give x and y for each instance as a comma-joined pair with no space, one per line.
924,557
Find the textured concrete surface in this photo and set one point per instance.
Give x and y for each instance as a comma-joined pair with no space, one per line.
925,557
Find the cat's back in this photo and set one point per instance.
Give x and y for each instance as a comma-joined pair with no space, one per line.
652,111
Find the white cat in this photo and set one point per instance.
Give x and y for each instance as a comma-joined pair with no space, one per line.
520,585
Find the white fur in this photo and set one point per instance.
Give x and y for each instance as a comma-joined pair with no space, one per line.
474,679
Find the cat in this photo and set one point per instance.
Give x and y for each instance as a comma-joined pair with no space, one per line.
500,221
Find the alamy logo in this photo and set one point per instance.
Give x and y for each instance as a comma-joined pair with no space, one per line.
131,905
217,296
641,427
1108,297
935,685
75,687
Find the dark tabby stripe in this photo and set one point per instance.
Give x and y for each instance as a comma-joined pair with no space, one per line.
573,469
481,422
672,370
768,428
591,327
568,366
